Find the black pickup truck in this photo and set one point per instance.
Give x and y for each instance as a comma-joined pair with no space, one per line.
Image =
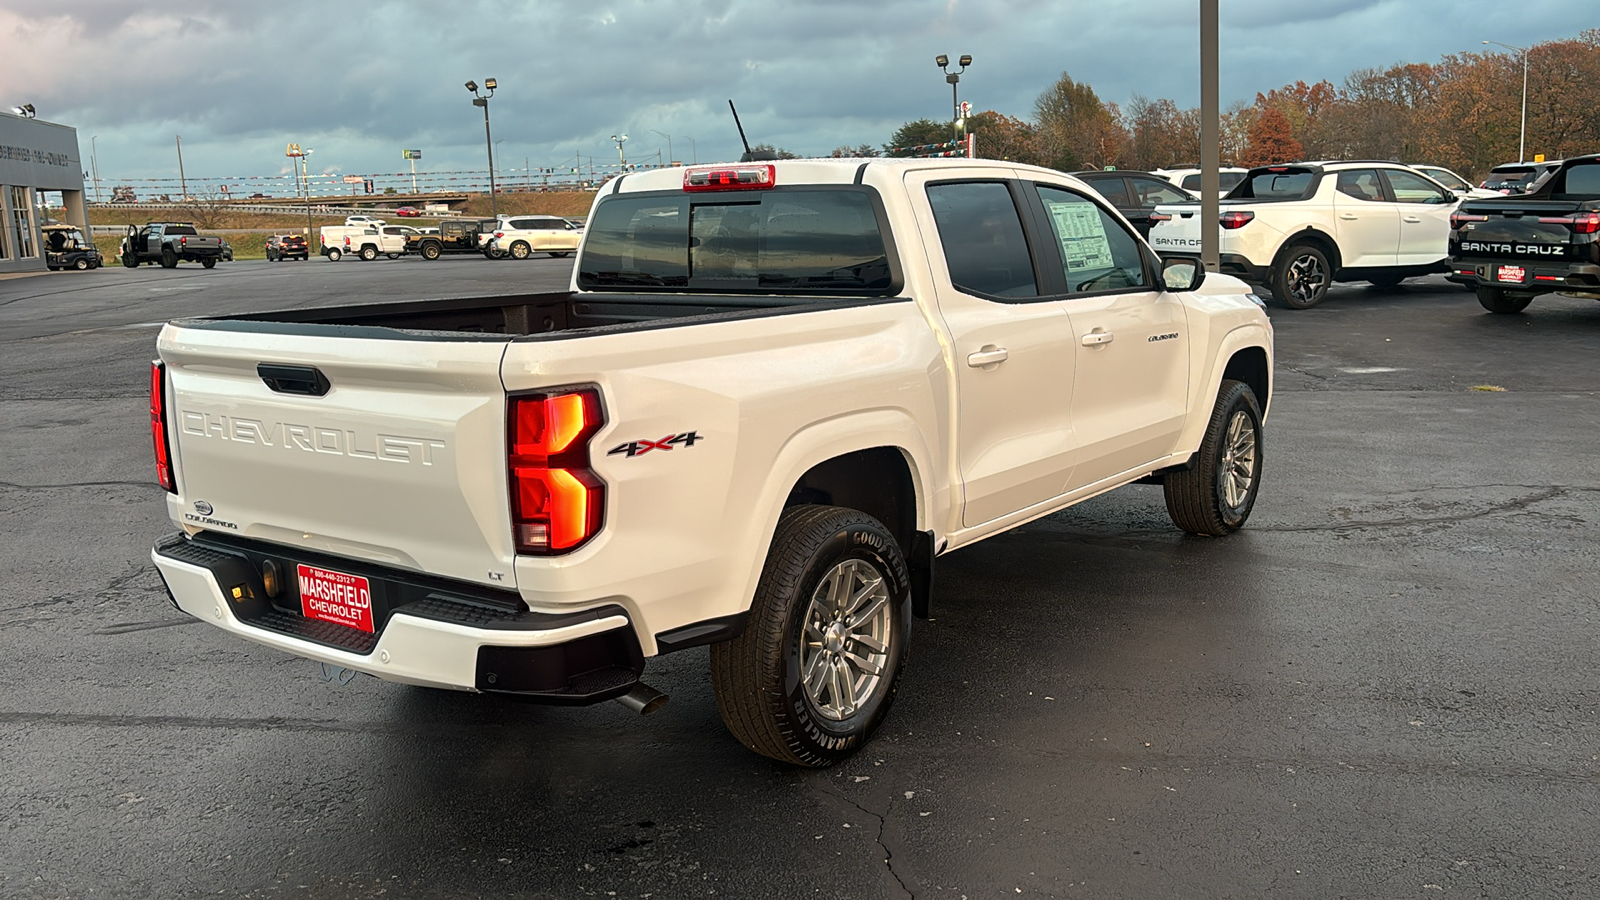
1512,249
455,236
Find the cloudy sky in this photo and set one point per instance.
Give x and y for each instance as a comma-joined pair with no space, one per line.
361,81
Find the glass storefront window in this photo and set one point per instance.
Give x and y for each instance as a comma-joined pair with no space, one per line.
22,224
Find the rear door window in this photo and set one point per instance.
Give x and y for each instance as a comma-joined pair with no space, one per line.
1113,189
1276,183
1148,192
1361,184
985,248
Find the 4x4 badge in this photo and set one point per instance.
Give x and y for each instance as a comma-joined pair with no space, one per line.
639,448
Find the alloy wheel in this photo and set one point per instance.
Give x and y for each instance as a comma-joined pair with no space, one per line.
844,643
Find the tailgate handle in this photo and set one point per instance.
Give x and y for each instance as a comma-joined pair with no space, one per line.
307,380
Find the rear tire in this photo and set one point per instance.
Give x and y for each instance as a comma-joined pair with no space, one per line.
209,263
818,664
1386,280
1215,497
335,255
392,255
1496,300
560,254
80,264
430,251
1300,277
369,253
521,250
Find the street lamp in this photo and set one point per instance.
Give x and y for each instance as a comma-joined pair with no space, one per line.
482,100
954,78
669,143
1522,136
620,141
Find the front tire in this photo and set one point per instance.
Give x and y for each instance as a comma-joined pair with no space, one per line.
560,254
818,664
1215,497
1386,280
1301,276
1496,300
80,264
129,261
169,260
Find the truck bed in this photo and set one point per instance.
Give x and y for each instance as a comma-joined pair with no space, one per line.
527,316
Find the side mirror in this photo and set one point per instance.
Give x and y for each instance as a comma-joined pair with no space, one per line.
1182,273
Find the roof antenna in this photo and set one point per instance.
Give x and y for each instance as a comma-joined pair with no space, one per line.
749,155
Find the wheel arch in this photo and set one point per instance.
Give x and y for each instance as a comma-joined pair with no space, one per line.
1244,354
1318,238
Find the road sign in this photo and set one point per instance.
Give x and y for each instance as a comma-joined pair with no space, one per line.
410,154
353,179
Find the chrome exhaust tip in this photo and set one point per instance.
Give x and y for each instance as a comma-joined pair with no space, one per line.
643,699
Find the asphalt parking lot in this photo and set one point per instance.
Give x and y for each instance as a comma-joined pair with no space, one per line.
1385,686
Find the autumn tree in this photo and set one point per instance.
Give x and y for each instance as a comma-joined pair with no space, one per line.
1234,131
1076,129
1160,135
1272,140
999,136
1303,107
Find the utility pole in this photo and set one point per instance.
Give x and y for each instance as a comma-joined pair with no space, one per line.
183,184
94,166
1210,139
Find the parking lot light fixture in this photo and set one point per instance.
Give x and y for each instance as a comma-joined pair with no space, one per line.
620,157
669,144
1522,134
482,100
954,78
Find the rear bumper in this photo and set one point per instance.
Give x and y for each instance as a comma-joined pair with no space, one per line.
1541,277
429,631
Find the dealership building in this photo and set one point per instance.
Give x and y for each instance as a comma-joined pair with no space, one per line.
36,157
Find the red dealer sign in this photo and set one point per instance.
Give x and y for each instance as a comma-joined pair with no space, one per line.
335,597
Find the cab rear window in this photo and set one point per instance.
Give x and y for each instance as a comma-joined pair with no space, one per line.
796,240
1276,183
1582,181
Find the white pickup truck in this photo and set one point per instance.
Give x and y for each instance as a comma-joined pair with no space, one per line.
365,242
773,395
1298,228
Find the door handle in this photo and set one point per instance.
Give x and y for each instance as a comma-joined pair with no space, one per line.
1098,338
1349,217
1410,219
989,355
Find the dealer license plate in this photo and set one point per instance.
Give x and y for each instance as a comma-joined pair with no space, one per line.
335,597
1514,274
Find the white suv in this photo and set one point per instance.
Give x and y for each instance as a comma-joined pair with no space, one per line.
1299,227
519,237
1189,179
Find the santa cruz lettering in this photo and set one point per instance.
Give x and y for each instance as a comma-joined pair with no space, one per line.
1514,249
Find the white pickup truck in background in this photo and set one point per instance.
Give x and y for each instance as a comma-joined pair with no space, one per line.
774,394
365,242
1298,228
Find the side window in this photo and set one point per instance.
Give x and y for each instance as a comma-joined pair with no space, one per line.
1096,251
1409,187
1148,192
1115,192
1361,184
1192,182
981,233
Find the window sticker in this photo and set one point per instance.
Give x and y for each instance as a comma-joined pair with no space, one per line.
1082,234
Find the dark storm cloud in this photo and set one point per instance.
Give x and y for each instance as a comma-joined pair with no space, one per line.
359,84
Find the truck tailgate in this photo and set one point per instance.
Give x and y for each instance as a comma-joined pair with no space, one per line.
394,463
1181,233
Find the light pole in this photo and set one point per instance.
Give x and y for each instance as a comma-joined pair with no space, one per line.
1522,135
482,100
954,78
94,165
620,141
305,168
669,143
694,149
183,183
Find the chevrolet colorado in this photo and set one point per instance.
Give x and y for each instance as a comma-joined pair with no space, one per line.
1512,249
773,395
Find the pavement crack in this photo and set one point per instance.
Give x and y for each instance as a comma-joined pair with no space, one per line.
14,486
881,819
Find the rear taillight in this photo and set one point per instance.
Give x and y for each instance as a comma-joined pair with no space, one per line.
183,241
557,501
499,234
1159,217
1236,219
1459,219
730,178
158,424
1586,223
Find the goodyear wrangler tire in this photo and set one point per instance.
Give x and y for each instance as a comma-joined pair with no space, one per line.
818,664
1215,497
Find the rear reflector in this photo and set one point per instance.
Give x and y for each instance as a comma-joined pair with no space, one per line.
158,425
556,499
730,178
